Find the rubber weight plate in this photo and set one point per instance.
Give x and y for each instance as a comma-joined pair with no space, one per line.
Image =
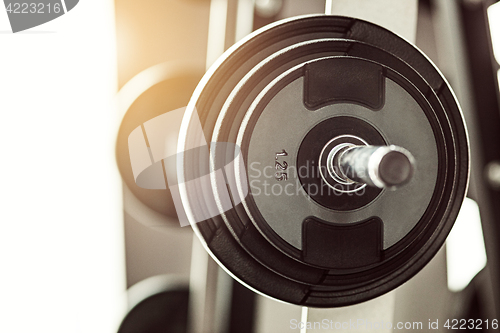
273,108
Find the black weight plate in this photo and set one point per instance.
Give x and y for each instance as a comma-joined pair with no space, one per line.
255,255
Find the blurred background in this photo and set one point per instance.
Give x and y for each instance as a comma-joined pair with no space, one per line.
84,249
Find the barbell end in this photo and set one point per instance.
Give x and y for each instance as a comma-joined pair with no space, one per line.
380,166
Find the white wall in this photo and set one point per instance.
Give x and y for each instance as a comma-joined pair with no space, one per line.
61,220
